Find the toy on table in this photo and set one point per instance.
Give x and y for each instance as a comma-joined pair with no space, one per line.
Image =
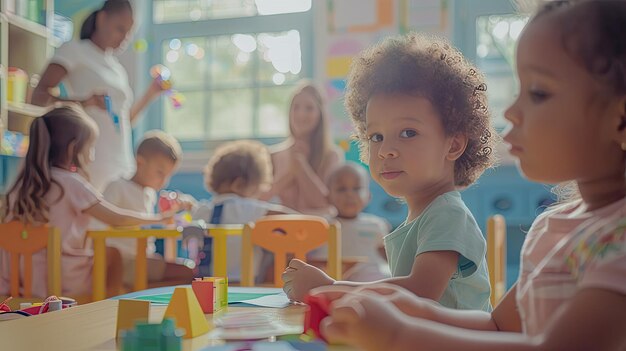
51,303
319,308
129,312
162,74
211,292
185,309
158,337
14,144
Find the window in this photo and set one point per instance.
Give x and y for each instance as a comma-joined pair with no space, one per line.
487,33
235,62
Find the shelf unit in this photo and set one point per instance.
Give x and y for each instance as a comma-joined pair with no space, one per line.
27,45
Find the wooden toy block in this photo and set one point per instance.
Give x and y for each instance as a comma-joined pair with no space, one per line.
130,311
154,337
187,313
319,308
211,292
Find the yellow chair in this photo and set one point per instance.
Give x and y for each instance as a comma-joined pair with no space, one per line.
220,234
496,257
21,241
289,234
141,264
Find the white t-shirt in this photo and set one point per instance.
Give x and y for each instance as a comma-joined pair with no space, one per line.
236,210
93,71
361,236
129,195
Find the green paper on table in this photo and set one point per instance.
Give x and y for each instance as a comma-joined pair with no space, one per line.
233,297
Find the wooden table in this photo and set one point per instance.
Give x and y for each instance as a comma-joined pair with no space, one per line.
92,327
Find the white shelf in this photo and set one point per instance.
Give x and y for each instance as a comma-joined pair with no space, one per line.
25,109
28,25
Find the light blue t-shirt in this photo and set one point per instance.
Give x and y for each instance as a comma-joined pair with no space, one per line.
445,225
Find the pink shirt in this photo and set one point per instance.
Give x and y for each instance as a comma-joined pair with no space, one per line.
67,215
565,253
303,196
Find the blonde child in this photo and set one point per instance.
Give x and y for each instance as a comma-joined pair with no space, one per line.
236,174
568,125
157,157
361,233
420,114
53,188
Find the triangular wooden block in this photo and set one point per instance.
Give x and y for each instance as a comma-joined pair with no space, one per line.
186,311
129,312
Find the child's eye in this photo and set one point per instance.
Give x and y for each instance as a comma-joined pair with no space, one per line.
376,138
408,133
538,96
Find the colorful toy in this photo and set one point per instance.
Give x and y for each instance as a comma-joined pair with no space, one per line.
319,308
14,144
114,117
129,312
167,201
158,337
211,292
186,311
162,74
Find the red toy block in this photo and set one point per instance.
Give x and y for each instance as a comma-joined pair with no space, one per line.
211,293
319,308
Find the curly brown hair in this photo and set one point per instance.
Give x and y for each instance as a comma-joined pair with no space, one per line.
432,68
246,159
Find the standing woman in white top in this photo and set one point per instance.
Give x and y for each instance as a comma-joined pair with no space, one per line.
90,71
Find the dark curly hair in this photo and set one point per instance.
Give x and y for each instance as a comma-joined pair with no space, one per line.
432,68
592,32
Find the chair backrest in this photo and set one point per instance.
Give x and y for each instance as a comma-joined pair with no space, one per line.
496,257
289,234
21,240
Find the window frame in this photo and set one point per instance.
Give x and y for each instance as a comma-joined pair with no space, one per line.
160,32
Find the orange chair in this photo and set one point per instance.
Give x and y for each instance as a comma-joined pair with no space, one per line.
21,241
289,234
496,257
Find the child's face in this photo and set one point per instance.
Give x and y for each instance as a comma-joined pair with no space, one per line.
408,148
304,115
155,171
560,125
348,194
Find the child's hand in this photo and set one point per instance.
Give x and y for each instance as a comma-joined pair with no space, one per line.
94,100
167,217
403,299
300,277
364,320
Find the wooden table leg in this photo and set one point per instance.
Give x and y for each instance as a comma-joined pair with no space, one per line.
220,254
141,265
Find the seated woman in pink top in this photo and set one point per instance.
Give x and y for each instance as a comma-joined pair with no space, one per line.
303,161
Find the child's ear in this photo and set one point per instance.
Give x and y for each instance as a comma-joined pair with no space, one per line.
620,125
458,143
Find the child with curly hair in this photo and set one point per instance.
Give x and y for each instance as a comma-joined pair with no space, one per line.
421,117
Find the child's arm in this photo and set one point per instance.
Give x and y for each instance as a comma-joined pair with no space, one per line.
311,185
591,320
429,276
117,217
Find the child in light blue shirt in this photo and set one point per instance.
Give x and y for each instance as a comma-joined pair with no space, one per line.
420,113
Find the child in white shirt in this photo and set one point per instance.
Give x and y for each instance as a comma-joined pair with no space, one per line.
157,157
361,233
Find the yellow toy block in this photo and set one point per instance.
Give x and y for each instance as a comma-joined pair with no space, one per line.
186,311
129,312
